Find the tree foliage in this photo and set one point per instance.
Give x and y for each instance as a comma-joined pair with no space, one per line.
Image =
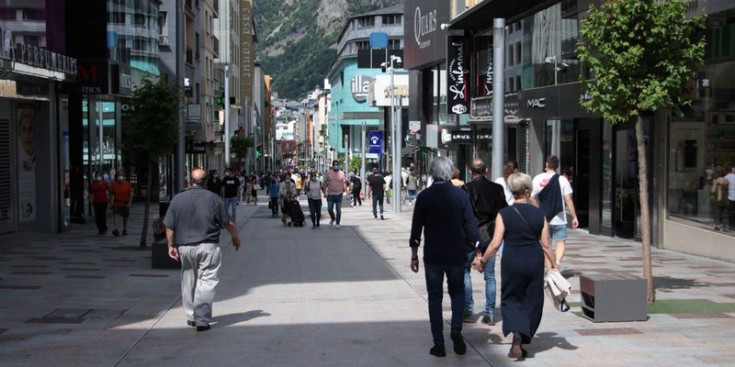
640,54
153,128
153,131
239,145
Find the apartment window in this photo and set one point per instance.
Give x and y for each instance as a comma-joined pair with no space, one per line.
365,22
117,17
139,19
362,45
392,19
518,52
394,44
518,83
510,56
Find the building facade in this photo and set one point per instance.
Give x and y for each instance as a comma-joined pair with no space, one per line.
351,79
685,154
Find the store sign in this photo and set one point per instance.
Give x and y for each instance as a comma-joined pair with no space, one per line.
457,73
93,77
41,58
425,40
360,86
414,126
466,137
196,147
481,108
375,142
194,112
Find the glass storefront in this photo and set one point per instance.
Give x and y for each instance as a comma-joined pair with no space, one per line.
702,149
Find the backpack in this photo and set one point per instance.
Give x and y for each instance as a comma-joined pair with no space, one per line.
356,183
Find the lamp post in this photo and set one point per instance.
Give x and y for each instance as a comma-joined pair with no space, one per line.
395,136
227,116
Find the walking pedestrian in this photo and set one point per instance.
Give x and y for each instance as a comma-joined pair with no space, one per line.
122,198
487,199
444,214
193,222
356,187
314,191
552,193
719,199
273,190
100,198
412,186
730,177
214,184
254,191
335,187
455,179
509,168
287,192
230,185
521,226
376,190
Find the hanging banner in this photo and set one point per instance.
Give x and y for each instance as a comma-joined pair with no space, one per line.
457,73
375,142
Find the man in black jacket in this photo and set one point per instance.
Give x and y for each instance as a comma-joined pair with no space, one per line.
487,199
443,213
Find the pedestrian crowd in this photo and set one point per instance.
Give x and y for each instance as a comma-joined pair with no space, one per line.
468,225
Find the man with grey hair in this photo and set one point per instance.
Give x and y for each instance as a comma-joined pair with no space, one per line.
444,214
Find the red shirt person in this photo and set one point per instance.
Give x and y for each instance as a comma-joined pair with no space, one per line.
99,197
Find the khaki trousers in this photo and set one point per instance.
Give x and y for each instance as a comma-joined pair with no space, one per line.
199,267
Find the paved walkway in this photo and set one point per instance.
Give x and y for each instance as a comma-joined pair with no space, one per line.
327,297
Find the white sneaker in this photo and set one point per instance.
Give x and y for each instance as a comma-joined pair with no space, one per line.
331,223
336,226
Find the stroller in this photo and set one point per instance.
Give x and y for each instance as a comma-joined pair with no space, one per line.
292,208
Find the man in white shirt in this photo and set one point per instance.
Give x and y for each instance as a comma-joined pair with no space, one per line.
731,196
557,218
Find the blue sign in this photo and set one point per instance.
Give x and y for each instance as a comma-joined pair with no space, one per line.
378,40
375,142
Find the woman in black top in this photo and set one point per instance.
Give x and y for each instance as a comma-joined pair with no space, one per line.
520,226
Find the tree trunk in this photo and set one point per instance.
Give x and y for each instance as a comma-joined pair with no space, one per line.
645,211
148,184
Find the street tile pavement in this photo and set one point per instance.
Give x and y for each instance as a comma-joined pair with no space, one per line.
326,297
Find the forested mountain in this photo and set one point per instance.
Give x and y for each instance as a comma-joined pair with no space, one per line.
297,39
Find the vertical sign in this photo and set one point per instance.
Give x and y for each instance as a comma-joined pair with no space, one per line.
247,52
457,72
27,162
375,142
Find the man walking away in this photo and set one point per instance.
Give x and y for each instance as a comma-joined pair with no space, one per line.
99,197
273,189
122,198
356,182
376,190
487,199
193,222
230,185
552,193
444,214
730,177
335,187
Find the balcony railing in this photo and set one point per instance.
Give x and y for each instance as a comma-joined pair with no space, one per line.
189,56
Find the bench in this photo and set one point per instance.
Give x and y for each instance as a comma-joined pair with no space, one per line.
613,297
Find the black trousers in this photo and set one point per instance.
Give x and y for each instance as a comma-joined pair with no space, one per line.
356,197
100,217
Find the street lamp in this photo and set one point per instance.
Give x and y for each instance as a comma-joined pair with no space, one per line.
557,68
396,136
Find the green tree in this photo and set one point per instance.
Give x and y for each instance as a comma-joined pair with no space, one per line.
153,131
640,54
239,145
355,164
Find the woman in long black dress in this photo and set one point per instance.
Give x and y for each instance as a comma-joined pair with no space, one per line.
521,226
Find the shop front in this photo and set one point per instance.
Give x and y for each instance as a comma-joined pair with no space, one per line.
32,147
425,54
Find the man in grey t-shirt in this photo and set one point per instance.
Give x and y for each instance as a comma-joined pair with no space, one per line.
193,222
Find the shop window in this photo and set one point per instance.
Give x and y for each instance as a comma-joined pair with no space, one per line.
701,149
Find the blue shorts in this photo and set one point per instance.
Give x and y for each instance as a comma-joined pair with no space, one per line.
558,232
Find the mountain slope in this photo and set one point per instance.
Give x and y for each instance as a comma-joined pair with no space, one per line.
297,39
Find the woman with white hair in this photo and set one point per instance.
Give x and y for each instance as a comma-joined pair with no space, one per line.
521,226
444,214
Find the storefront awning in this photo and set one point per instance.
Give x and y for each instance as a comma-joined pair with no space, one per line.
481,15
